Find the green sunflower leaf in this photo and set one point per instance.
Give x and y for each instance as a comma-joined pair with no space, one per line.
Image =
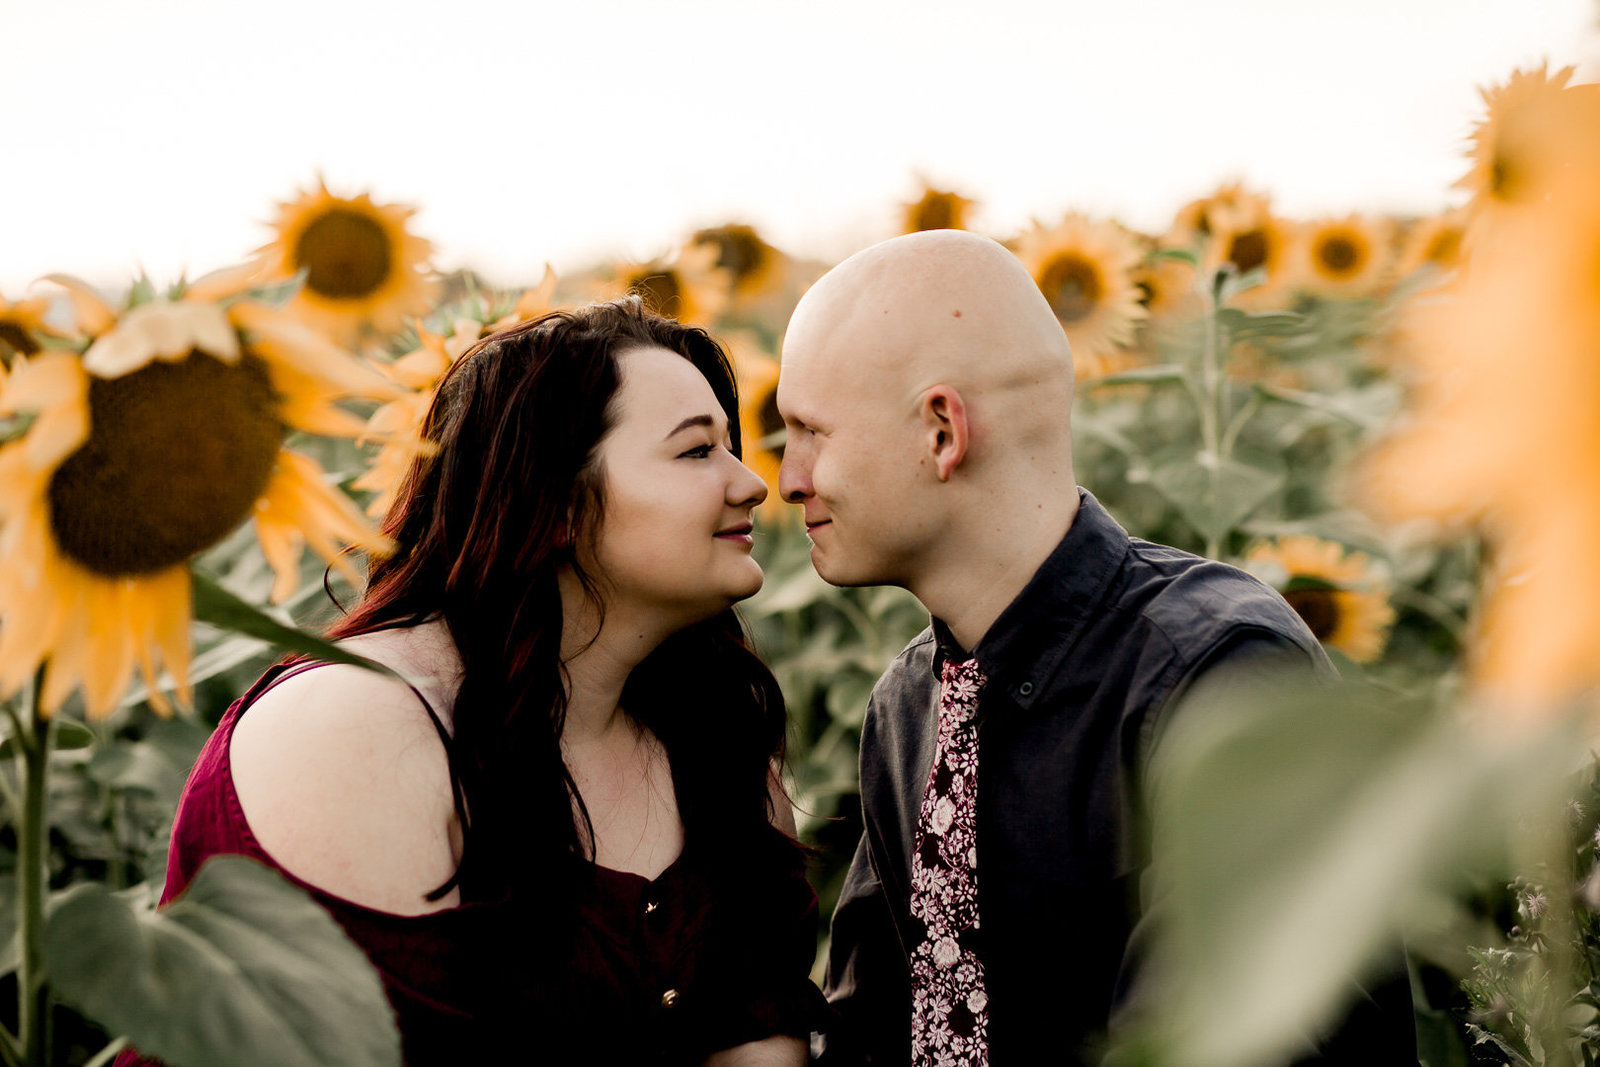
215,605
243,968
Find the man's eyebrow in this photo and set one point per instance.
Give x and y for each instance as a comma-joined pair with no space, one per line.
692,420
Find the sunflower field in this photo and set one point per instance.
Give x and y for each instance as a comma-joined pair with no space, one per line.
1393,421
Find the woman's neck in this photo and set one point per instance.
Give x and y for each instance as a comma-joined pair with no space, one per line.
600,654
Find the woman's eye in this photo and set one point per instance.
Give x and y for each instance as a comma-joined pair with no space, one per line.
699,452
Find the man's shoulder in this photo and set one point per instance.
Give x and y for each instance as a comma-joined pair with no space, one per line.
911,669
1186,597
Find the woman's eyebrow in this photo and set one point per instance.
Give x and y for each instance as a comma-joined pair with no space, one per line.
692,420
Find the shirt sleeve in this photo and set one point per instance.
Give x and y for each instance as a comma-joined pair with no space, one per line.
868,984
1379,1028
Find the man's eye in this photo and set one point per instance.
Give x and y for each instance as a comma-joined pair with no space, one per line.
699,452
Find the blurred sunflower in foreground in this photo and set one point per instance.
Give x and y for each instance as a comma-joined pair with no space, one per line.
148,443
935,209
397,424
1504,428
21,326
364,270
1342,596
1085,270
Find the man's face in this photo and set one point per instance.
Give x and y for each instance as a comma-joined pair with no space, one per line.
851,460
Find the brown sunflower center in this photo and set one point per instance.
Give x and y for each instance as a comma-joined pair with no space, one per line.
15,339
1444,247
177,455
1339,254
661,292
739,251
937,211
1318,607
1073,286
1248,250
345,254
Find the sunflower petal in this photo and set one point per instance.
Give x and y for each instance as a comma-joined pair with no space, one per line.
227,282
94,315
285,342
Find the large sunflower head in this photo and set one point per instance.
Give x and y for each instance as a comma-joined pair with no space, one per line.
935,209
689,287
1498,164
148,444
752,266
1342,595
1346,257
1085,271
365,271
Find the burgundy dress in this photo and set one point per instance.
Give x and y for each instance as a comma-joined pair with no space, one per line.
664,970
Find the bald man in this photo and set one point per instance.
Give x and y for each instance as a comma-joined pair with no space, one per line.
926,388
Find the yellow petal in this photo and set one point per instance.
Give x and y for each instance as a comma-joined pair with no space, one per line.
94,315
162,331
281,340
169,597
227,282
109,664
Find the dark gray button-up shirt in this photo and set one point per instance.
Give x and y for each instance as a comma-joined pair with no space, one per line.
1079,669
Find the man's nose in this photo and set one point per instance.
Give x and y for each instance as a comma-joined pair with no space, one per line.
794,480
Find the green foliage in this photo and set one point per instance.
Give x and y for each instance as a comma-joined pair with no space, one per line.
244,967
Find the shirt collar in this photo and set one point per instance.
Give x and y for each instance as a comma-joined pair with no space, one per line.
1024,646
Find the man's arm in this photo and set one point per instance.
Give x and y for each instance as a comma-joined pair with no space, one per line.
1379,1029
867,984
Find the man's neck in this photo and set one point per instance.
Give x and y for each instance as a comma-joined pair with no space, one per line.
982,571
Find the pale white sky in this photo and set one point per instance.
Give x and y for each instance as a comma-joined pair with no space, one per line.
161,132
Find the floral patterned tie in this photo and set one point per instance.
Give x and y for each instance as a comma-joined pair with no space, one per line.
949,1016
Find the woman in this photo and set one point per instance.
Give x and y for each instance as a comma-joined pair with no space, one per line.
598,866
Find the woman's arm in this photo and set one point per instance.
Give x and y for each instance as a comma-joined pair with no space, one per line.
779,1050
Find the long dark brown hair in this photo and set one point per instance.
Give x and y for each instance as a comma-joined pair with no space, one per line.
483,526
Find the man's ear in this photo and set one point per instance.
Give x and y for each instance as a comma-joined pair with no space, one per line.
944,421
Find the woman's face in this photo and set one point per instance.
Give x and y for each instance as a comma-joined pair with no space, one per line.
676,532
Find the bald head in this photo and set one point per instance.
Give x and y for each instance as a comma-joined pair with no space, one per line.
940,307
926,387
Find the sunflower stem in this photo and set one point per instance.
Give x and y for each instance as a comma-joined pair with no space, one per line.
32,742
1210,403
10,1049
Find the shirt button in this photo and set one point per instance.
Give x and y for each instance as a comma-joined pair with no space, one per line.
669,998
1025,688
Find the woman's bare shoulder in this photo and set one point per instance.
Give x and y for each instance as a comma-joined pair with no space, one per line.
344,781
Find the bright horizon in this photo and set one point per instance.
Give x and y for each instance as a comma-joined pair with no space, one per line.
162,135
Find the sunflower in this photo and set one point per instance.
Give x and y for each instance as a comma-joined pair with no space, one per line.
1497,163
1342,595
1347,257
148,446
690,287
1246,242
1166,288
757,375
752,266
364,270
1085,270
1504,430
1434,243
21,325
935,210
1199,220
397,424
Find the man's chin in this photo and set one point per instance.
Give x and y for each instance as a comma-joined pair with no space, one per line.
835,573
